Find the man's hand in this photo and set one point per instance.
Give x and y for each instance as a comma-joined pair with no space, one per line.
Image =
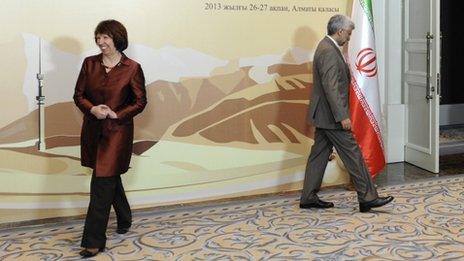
346,124
100,111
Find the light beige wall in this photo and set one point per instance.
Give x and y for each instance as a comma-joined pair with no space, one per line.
201,65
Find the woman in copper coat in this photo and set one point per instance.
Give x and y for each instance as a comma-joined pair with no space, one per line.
110,91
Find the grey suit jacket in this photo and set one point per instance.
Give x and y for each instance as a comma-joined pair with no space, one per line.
329,103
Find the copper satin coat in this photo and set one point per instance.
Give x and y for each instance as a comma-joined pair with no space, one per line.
106,145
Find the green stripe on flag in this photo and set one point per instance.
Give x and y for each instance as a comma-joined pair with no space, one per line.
367,7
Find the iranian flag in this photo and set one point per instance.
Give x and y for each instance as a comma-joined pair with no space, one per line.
364,89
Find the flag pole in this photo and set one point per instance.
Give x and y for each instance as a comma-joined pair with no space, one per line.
41,102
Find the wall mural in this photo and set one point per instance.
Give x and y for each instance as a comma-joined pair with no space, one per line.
227,84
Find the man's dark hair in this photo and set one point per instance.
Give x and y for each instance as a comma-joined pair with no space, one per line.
338,22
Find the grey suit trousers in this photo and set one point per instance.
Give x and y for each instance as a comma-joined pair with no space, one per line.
350,154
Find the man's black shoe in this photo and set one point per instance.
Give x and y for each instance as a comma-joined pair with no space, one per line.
318,204
378,202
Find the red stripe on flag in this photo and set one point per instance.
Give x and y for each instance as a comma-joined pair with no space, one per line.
366,136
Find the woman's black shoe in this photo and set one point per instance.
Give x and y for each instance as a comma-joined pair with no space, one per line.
86,253
122,230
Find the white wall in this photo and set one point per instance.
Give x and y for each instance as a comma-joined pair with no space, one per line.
388,30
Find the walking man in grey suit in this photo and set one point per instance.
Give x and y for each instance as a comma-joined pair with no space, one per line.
329,112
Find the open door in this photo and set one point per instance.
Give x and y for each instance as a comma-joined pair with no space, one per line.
421,82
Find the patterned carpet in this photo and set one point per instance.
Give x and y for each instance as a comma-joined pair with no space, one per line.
425,222
452,133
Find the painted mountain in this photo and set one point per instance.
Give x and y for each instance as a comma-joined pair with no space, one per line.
223,108
274,112
251,100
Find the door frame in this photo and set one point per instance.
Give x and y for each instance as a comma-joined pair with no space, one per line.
426,157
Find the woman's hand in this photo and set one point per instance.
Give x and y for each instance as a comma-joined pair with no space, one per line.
112,115
100,111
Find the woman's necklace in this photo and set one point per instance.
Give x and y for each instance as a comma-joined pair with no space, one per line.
108,67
